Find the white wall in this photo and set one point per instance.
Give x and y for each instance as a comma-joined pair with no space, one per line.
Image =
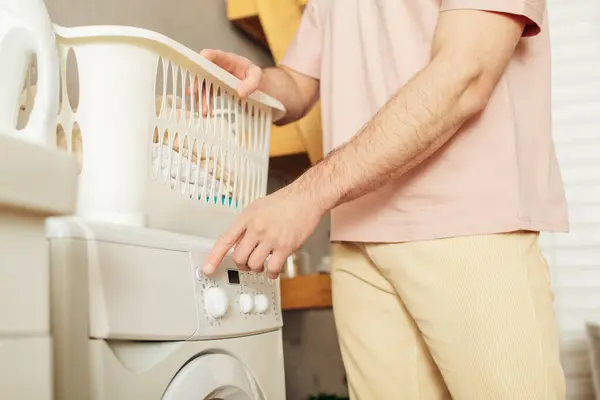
575,257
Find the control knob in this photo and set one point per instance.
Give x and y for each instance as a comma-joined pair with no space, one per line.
261,303
246,303
216,302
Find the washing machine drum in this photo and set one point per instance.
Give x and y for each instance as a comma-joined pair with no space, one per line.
213,377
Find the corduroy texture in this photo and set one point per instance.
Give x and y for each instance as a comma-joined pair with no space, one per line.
468,318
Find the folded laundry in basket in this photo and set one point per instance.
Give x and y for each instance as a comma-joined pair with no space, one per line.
220,119
190,172
178,107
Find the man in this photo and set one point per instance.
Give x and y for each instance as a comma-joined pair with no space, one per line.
441,172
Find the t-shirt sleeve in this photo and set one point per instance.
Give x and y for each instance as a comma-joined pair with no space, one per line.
533,10
304,53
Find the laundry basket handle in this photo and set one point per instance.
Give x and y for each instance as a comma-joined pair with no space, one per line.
25,30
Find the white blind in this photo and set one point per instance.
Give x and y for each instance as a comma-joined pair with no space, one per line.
574,258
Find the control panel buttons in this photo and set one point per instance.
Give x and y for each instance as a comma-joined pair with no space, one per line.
246,303
199,274
216,302
261,303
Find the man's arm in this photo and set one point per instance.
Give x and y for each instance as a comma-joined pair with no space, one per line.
297,92
470,52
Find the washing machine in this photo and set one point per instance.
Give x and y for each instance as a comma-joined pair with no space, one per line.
135,318
35,182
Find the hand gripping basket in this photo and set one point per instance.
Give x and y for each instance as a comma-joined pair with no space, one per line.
153,151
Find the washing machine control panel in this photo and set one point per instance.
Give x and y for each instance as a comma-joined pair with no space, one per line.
232,302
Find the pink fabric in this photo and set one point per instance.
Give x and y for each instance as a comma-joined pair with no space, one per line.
499,173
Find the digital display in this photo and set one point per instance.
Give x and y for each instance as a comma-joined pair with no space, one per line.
233,276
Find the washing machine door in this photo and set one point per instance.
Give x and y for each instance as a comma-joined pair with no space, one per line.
213,377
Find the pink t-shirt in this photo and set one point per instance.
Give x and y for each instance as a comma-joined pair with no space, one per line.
499,173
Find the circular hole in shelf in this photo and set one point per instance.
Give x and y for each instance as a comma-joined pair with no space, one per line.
235,180
196,102
218,101
229,178
187,95
77,145
247,126
217,171
238,110
28,93
178,97
61,138
208,165
253,128
170,98
195,176
208,104
159,87
232,119
203,106
155,153
176,161
205,175
163,156
72,80
185,166
260,116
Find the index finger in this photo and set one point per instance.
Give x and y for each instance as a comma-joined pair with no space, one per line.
232,63
222,246
251,81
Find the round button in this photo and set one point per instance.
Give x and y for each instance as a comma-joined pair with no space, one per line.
199,275
216,302
261,303
246,303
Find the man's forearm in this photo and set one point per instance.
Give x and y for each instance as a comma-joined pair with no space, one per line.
424,113
414,123
278,83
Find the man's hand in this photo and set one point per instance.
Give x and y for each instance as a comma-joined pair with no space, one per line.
249,74
272,227
297,92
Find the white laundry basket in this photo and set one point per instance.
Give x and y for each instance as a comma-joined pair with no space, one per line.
150,154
